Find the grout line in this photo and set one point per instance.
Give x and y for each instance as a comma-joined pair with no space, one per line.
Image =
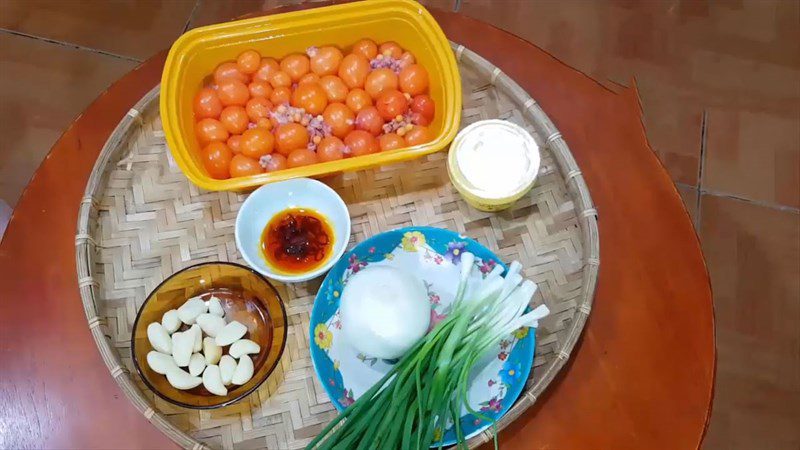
701,166
790,209
68,44
703,191
191,15
713,193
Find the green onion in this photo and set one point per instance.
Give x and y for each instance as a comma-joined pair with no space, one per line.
410,406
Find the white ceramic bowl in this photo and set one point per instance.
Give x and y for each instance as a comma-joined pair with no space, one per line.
270,199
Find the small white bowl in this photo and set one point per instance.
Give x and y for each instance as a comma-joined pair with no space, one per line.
268,200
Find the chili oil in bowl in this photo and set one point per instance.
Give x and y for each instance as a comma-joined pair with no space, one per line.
293,230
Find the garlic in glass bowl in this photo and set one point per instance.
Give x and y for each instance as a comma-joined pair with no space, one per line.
175,350
219,314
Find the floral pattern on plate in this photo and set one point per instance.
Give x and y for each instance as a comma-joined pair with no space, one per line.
435,256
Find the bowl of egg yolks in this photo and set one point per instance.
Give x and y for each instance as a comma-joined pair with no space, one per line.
403,32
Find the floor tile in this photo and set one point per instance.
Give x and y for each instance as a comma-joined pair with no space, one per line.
444,5
135,29
687,56
44,86
753,256
689,197
574,32
673,121
613,41
757,82
216,11
754,154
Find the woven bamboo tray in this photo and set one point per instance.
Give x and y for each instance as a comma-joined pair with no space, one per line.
141,220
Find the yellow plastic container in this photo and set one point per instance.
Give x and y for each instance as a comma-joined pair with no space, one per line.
195,55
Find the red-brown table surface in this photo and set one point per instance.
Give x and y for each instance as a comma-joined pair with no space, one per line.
641,377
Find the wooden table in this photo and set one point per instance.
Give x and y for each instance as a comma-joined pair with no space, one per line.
642,376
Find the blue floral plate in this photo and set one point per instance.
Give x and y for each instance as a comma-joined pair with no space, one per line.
434,254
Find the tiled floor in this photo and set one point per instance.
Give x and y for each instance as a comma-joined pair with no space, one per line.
43,86
720,88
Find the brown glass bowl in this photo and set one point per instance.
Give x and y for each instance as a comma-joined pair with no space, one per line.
259,308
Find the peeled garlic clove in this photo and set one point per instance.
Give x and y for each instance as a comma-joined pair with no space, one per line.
230,334
189,311
227,366
159,338
196,364
212,380
211,350
170,321
243,347
197,345
243,372
215,307
179,379
182,343
159,362
210,324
